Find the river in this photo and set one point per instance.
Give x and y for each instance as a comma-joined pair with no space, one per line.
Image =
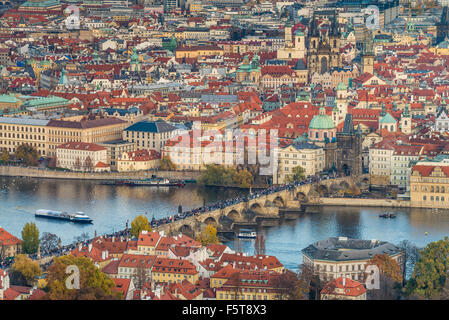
111,206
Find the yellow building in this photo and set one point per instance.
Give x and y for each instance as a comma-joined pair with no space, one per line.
147,242
167,270
198,51
309,156
429,184
196,6
17,131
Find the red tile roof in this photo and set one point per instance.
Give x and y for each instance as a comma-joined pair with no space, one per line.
7,239
349,288
84,146
149,239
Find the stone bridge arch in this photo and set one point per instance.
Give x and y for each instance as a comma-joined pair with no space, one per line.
301,196
256,207
344,185
187,230
279,202
268,203
212,221
322,189
234,215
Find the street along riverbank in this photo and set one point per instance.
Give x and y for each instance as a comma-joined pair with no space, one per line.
16,171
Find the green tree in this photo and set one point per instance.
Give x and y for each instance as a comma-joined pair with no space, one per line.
429,275
30,238
218,175
28,154
243,178
4,156
298,174
26,268
94,284
213,175
139,224
166,164
208,235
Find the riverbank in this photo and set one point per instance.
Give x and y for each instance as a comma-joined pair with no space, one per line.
358,202
13,171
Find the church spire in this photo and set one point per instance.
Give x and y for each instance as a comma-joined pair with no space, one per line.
406,113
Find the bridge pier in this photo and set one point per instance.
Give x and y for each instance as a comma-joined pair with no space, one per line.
264,221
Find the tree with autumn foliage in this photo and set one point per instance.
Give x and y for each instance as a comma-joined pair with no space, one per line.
287,286
25,270
390,278
208,235
166,164
139,224
94,284
430,273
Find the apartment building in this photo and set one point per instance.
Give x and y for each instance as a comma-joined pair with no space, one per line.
334,257
138,160
89,130
248,285
82,156
429,184
129,264
403,155
17,131
150,134
309,156
168,270
380,155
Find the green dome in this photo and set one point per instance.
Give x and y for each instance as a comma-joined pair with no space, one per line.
322,122
341,86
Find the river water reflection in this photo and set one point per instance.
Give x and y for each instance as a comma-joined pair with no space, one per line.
112,206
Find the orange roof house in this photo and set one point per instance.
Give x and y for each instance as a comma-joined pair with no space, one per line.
343,288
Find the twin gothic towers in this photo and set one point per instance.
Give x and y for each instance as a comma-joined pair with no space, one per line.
323,52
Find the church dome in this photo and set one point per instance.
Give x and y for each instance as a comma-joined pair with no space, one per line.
322,121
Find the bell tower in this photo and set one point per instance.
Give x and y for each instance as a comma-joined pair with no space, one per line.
368,57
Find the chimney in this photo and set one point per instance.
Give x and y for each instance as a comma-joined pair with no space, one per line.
90,247
113,238
344,282
80,247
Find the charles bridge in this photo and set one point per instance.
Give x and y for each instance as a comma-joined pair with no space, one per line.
266,210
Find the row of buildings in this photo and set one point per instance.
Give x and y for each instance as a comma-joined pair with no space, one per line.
154,266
